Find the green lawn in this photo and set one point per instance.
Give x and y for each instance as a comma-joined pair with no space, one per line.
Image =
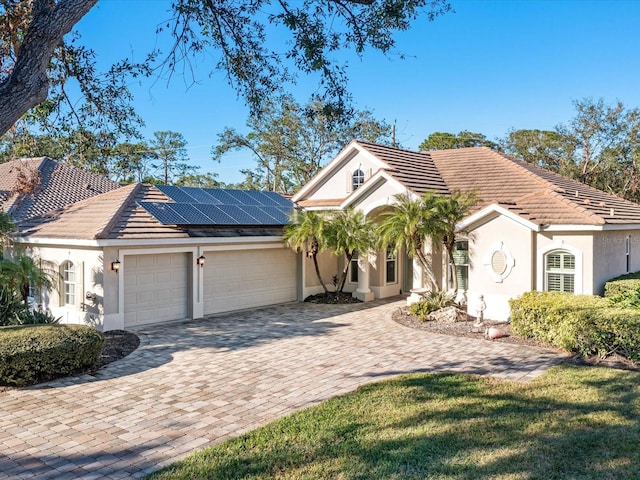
572,423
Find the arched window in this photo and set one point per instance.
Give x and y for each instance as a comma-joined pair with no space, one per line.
68,283
560,271
357,179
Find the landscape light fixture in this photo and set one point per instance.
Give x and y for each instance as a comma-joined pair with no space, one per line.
200,260
115,266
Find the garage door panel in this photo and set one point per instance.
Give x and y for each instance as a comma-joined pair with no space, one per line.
248,278
155,288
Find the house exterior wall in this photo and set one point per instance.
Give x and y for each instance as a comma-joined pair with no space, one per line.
610,256
514,241
338,185
89,266
328,265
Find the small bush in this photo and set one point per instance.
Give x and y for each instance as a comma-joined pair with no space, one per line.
434,300
29,354
622,285
584,324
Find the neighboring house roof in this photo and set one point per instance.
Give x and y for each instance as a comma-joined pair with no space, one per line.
59,185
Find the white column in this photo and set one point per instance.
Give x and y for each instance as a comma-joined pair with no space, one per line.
363,292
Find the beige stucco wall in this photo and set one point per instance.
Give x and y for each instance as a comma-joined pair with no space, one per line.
338,185
609,256
89,279
328,264
515,241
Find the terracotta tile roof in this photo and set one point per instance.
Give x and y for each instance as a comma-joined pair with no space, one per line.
60,185
416,170
547,198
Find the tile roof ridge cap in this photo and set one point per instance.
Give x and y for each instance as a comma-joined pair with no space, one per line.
364,144
115,218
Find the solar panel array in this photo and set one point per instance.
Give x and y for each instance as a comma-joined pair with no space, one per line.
209,206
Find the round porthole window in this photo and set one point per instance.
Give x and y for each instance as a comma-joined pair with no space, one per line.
499,262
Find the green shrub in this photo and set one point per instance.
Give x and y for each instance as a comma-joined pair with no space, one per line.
29,354
584,324
434,300
622,285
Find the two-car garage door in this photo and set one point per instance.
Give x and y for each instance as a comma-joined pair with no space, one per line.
157,287
239,279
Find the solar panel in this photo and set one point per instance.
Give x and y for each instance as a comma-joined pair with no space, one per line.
241,197
240,215
191,214
221,195
259,214
280,215
163,213
177,194
216,215
278,199
201,196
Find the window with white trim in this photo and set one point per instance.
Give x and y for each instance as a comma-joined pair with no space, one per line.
68,283
627,243
391,266
357,179
560,271
353,269
461,264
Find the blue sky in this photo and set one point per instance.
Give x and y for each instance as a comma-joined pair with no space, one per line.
489,67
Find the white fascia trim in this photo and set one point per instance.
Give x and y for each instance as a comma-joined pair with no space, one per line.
495,208
371,185
625,226
152,242
352,149
572,228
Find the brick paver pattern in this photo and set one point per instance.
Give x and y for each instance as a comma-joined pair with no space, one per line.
197,383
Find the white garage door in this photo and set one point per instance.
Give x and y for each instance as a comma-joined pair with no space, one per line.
155,288
234,280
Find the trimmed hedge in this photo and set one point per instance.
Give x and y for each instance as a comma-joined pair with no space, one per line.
583,324
622,285
29,353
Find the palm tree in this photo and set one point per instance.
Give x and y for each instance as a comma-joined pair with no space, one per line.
307,231
22,273
350,232
450,211
408,225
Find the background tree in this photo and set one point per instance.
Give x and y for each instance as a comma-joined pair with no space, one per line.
407,226
464,139
307,233
545,148
255,43
348,232
169,150
131,162
291,143
202,180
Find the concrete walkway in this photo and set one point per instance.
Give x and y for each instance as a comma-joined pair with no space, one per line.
197,383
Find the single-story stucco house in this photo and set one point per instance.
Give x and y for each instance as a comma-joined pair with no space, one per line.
140,254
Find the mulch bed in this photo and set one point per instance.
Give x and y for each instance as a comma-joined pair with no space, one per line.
117,344
331,298
466,329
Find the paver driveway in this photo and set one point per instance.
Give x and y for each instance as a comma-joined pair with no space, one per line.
194,384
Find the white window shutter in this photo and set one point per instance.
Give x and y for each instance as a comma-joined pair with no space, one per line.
79,284
53,295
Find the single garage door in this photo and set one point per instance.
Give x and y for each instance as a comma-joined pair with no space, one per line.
238,279
155,288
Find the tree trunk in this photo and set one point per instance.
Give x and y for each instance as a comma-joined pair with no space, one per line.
452,267
427,268
28,84
345,270
315,264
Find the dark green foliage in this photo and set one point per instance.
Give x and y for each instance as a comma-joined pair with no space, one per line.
622,285
434,300
583,324
32,353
